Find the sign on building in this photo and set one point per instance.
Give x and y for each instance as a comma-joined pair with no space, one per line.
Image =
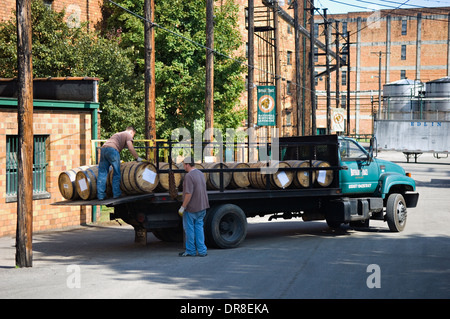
266,115
338,119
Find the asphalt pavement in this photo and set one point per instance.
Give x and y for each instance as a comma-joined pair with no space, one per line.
278,259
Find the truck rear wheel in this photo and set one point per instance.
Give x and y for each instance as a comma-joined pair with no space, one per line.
396,212
225,226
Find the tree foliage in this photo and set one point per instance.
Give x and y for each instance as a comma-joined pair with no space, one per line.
180,64
116,56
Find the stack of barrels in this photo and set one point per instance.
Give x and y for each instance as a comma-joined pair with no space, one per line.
143,177
136,178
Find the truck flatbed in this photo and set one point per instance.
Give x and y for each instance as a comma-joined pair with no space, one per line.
106,202
213,195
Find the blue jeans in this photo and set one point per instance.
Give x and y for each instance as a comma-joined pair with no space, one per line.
109,157
195,237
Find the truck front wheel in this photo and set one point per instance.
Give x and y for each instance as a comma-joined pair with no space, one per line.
396,212
225,226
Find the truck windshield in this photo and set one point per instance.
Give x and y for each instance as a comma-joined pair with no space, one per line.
351,149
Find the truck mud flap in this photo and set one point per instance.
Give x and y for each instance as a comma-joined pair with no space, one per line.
351,209
411,199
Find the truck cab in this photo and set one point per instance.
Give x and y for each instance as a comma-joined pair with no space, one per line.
362,174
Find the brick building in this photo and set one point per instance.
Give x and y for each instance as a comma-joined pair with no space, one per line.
412,43
63,128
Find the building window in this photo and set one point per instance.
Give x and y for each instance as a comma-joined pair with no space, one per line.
288,87
48,4
403,54
39,167
344,101
288,119
404,26
289,29
344,29
344,78
316,54
316,30
289,58
402,74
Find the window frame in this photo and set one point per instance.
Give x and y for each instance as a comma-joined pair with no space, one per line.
404,27
40,165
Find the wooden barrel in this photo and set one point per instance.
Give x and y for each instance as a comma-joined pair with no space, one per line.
66,182
301,177
213,178
86,182
254,177
323,177
138,177
163,184
239,179
278,180
283,179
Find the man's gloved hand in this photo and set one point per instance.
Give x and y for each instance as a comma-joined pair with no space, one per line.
139,159
181,211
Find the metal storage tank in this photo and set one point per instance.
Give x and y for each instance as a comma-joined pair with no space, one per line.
400,100
437,106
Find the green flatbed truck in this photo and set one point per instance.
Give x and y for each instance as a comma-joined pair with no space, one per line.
362,188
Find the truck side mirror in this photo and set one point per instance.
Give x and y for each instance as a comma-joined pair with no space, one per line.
371,147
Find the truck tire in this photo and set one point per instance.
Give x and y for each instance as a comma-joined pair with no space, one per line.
225,226
396,212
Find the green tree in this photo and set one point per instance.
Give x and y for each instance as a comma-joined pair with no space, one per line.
115,56
180,64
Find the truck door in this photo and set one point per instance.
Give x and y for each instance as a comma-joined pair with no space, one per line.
359,175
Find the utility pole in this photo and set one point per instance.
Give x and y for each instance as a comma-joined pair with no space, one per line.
379,53
209,87
298,70
327,65
150,95
348,84
312,75
277,69
24,231
251,61
338,66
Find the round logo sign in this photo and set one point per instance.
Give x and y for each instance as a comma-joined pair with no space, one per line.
266,103
338,118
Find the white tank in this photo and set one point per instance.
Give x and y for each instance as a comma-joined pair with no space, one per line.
400,100
437,106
